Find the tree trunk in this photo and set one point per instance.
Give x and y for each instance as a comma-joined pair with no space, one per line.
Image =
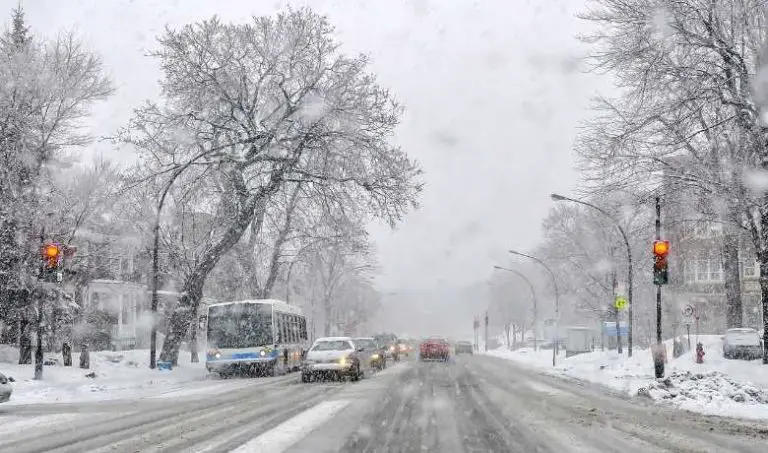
181,319
327,312
193,356
25,328
249,206
764,299
734,313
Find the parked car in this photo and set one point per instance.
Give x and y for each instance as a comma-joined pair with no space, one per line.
5,388
372,353
464,347
435,349
337,357
742,344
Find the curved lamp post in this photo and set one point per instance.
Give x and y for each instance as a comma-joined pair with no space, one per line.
557,197
535,307
557,300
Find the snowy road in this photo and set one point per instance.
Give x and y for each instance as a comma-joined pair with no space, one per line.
477,404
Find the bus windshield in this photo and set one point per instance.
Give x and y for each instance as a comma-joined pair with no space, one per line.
239,326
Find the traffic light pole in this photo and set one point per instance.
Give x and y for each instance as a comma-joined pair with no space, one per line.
39,293
658,358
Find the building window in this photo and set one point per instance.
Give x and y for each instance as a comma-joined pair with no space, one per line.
715,270
702,270
750,269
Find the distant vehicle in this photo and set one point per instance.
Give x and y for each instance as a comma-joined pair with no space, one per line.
389,342
375,356
464,347
5,388
333,357
404,348
435,348
265,337
743,344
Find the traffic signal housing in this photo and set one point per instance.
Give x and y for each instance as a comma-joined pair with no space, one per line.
51,256
660,263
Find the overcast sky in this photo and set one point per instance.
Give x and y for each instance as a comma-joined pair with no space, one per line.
493,91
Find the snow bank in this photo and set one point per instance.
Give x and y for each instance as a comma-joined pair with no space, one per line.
734,388
116,375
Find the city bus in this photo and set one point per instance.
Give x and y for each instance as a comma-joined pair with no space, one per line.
262,337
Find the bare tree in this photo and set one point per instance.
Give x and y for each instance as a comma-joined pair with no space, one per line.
46,90
686,108
269,103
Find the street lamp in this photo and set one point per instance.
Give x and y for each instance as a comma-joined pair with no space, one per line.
557,300
557,197
535,308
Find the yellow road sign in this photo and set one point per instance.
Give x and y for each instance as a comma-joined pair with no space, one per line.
620,303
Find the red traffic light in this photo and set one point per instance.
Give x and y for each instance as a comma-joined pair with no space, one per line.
51,254
51,251
661,248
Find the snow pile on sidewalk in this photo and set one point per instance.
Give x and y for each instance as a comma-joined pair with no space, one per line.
112,375
713,387
718,386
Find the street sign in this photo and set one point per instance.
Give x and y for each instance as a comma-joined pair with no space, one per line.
620,303
609,329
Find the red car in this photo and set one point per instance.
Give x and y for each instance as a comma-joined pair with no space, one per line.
435,349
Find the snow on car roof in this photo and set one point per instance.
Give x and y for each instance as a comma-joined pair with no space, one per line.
333,339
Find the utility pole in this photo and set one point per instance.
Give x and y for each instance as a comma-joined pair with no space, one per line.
486,331
617,312
660,277
39,293
49,272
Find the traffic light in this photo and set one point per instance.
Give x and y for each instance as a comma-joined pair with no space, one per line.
51,256
660,263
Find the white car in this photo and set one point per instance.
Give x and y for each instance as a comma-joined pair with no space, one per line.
5,388
333,356
742,343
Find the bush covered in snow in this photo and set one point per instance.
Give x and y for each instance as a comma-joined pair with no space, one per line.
710,387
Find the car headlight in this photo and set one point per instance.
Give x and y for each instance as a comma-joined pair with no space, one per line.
343,361
374,356
263,353
392,348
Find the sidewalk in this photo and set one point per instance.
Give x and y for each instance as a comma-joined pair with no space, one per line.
733,388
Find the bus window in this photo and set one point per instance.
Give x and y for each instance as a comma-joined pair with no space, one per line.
279,328
284,327
294,331
303,328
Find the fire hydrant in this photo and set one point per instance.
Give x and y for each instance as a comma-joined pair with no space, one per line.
699,353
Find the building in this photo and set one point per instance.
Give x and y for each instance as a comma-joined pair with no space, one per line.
696,262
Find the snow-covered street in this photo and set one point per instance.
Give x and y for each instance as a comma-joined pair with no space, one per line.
733,388
474,403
